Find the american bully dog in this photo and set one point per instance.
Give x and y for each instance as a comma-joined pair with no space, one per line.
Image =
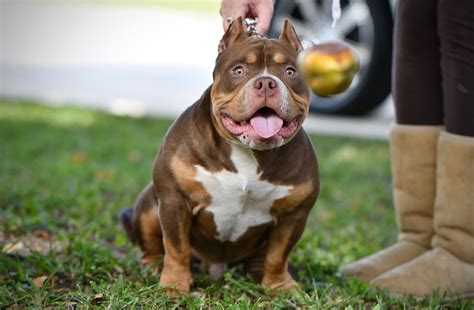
236,175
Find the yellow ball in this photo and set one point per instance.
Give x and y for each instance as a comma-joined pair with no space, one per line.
328,68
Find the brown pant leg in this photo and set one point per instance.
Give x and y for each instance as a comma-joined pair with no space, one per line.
456,33
417,83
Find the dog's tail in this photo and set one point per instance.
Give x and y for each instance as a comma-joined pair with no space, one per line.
126,217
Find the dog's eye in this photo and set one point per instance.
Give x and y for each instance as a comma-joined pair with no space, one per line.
239,70
290,71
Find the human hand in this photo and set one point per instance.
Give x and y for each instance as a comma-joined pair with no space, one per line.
261,9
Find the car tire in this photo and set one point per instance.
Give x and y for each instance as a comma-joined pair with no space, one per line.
373,84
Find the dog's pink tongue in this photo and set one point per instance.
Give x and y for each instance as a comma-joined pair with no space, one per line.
266,126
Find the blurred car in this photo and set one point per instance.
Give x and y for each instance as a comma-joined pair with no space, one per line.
367,26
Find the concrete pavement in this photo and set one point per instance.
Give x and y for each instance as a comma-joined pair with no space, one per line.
134,60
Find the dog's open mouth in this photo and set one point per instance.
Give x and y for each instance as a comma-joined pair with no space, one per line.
265,123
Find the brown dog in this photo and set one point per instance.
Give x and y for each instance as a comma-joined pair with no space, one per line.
236,175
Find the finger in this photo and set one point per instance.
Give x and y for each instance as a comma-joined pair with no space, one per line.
225,10
225,23
264,13
232,14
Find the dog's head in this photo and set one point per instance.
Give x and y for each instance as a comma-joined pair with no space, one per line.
259,99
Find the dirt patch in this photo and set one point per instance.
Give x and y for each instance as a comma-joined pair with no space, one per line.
40,241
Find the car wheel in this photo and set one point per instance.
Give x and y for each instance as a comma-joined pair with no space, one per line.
367,26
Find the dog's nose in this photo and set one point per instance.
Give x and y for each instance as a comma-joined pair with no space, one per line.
265,87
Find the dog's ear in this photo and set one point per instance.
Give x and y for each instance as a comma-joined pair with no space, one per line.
289,35
234,33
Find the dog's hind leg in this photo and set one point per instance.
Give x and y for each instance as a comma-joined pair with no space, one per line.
143,227
254,266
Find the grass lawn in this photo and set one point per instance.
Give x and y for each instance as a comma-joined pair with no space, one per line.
65,173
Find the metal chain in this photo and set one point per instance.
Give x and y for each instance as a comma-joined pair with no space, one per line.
250,23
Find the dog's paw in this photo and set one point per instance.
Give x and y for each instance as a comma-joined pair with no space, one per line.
175,284
280,282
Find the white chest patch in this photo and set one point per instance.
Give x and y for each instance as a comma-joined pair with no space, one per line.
239,200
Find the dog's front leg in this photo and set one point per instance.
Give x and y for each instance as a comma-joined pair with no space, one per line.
176,222
283,237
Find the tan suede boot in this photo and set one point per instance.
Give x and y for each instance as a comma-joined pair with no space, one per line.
413,151
449,266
